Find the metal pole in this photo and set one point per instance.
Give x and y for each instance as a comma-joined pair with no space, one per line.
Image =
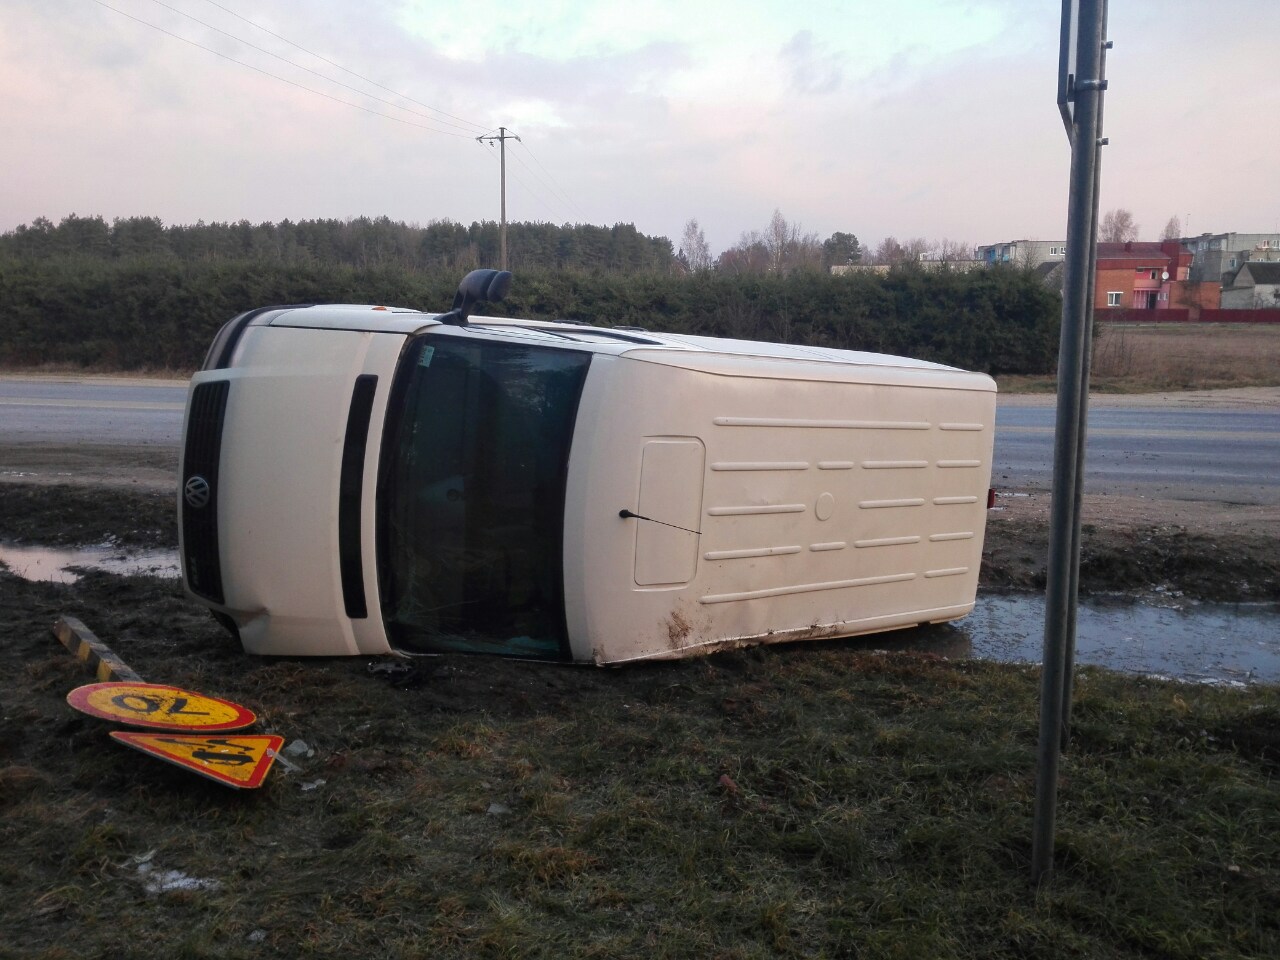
1068,437
1073,604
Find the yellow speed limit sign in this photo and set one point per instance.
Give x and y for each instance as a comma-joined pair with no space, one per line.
159,707
240,762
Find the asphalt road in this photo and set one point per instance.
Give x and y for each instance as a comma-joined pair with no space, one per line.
1176,453
1134,448
97,411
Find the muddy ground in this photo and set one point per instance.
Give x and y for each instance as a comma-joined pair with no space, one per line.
1206,551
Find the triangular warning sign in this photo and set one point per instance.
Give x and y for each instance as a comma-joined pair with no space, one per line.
240,762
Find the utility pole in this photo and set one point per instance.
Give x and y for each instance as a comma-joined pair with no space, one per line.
502,137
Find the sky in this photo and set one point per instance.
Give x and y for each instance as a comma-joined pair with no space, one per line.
910,118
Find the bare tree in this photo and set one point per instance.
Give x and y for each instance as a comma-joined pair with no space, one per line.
782,248
916,249
888,252
748,255
1118,226
951,251
1024,254
693,247
777,238
789,247
893,251
1172,229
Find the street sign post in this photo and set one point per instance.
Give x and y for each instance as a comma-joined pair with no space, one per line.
159,707
239,762
1081,82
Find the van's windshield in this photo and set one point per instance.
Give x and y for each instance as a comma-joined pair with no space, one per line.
471,496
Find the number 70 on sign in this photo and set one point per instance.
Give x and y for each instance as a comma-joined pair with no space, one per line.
159,707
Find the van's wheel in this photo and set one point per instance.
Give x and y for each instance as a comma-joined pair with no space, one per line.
227,623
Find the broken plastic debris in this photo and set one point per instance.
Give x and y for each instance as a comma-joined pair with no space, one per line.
298,750
170,880
156,882
390,668
498,809
289,767
312,785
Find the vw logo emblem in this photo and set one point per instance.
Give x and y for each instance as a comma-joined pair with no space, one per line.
196,491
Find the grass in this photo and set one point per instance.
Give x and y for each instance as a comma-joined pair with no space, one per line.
1141,358
815,800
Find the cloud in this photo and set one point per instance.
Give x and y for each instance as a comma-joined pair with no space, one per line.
814,70
918,117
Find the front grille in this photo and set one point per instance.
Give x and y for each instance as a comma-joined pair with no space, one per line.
198,502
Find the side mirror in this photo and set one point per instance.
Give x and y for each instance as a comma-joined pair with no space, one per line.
478,286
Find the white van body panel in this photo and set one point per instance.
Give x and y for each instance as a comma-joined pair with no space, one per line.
787,492
829,501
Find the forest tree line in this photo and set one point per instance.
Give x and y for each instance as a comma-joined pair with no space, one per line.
140,295
360,242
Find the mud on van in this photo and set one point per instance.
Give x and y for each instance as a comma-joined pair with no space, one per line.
371,480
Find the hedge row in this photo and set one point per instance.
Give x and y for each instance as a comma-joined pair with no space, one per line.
162,313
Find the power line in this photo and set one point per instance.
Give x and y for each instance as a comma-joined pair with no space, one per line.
266,73
548,184
314,73
531,192
556,197
560,201
312,53
552,180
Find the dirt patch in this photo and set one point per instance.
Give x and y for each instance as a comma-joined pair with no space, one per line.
1206,550
678,630
130,466
67,515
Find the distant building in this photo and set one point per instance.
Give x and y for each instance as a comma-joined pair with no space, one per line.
1150,276
1216,254
837,269
1256,286
956,266
929,266
1027,254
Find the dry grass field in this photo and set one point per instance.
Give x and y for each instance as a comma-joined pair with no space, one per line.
1161,357
1183,356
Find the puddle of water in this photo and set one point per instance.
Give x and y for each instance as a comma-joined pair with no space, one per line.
1205,642
54,564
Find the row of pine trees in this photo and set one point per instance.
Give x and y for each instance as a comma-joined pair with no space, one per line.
136,294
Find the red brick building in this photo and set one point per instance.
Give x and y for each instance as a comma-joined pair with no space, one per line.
1150,276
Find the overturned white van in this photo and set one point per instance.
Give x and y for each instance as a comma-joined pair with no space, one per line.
365,480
